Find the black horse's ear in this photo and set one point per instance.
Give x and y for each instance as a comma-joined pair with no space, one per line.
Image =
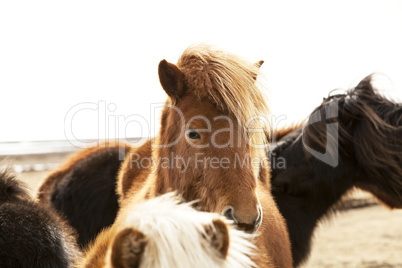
128,247
366,83
172,80
258,64
217,235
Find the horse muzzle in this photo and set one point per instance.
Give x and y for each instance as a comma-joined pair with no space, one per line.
249,226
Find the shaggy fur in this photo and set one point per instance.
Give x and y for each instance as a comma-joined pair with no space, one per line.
164,232
30,235
370,146
83,190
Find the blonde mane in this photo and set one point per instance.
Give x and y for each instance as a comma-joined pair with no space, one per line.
229,82
177,237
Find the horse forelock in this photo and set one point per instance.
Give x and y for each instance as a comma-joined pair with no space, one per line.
176,235
229,82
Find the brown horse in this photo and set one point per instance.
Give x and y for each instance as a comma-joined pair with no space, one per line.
165,232
206,151
211,148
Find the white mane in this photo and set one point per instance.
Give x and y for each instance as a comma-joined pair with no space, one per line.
177,236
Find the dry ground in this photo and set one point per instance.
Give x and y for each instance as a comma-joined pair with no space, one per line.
362,237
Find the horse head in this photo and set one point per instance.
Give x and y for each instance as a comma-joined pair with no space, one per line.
205,133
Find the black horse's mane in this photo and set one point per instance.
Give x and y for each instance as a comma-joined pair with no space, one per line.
369,133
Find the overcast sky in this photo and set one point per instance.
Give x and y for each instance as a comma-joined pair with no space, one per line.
57,57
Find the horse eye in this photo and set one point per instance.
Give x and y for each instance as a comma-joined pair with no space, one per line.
193,135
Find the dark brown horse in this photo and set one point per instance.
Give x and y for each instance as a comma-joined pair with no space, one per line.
211,148
83,190
31,235
367,142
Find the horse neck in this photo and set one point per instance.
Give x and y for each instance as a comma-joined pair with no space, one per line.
304,211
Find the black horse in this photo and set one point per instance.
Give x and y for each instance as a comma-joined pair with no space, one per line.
31,235
350,140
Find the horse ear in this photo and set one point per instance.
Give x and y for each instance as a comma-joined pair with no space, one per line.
128,247
258,64
218,237
172,80
366,83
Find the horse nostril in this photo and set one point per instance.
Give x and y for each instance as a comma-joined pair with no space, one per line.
228,213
